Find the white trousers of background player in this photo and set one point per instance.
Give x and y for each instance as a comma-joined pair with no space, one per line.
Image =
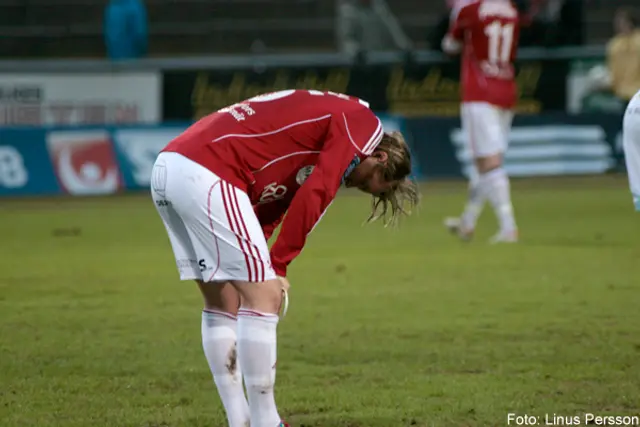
487,128
216,236
631,146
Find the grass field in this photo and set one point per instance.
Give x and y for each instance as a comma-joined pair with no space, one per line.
385,329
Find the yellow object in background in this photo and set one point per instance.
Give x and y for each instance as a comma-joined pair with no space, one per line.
623,61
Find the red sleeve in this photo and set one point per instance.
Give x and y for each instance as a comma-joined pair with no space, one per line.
461,19
457,24
351,137
270,215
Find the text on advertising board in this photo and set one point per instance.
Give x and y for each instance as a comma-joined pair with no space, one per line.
83,99
407,89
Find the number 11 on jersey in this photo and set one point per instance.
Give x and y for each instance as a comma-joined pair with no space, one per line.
500,41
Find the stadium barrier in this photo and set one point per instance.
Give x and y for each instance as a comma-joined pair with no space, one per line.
82,92
419,84
112,159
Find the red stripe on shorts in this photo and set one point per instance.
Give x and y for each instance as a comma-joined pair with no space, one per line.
252,247
233,227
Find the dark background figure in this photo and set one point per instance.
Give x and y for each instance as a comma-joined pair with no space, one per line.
572,18
437,33
534,27
567,28
125,29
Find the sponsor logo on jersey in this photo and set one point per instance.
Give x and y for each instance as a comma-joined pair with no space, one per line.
272,192
303,174
84,162
355,162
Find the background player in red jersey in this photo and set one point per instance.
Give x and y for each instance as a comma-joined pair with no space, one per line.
486,33
223,187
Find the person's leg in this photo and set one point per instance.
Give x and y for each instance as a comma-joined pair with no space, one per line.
494,124
175,196
497,183
464,225
257,347
258,317
494,183
474,205
231,247
220,345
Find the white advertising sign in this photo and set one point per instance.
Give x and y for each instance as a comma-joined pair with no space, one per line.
80,99
548,150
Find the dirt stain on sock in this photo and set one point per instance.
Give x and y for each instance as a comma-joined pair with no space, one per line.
232,359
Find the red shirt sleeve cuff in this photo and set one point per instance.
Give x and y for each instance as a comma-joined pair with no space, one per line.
281,270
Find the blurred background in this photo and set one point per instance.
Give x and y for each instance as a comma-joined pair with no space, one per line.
163,64
77,28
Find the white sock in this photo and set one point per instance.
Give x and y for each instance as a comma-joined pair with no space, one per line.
474,206
257,355
219,341
495,185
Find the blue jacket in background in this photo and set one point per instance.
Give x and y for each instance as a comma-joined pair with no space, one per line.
125,29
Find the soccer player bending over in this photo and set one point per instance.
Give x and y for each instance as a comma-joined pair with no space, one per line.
486,33
223,187
631,146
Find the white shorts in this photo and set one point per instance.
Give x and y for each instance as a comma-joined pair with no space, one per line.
486,128
631,146
212,227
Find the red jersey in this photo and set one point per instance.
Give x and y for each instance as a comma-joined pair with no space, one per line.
488,33
289,151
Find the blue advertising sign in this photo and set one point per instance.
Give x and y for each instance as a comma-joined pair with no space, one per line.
25,165
137,149
106,160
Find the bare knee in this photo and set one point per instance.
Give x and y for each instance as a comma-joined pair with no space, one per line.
221,296
488,163
265,297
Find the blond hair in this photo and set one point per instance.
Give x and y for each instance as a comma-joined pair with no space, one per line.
404,196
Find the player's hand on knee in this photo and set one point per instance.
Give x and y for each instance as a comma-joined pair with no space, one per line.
285,283
284,306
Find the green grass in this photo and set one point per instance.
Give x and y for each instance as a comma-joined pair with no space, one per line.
386,328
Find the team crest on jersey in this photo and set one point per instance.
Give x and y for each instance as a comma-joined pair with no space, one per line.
303,174
355,162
